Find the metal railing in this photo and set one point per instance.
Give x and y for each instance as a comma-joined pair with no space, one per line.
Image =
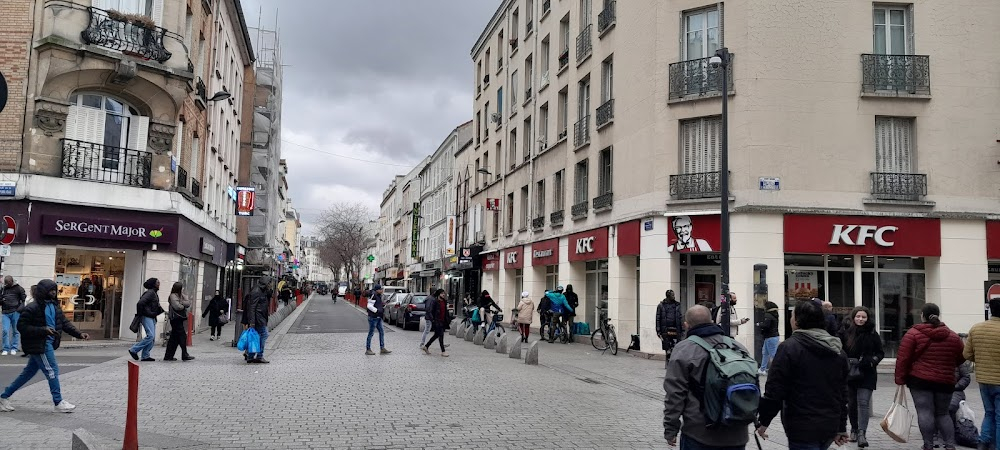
564,58
603,201
182,177
899,186
606,18
538,222
581,132
697,78
195,188
562,134
580,209
546,6
556,217
910,74
584,43
695,185
116,31
606,113
528,27
105,164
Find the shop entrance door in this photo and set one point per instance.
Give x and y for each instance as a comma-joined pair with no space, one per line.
705,285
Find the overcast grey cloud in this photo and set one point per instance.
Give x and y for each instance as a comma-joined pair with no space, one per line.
379,80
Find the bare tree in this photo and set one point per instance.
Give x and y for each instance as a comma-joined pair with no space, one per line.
347,234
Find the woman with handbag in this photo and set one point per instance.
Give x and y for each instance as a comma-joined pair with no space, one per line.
179,304
864,352
218,315
147,309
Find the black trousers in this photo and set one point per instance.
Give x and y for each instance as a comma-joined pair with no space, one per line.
178,338
438,335
217,330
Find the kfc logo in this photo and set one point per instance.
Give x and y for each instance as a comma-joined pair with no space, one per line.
859,234
585,245
511,258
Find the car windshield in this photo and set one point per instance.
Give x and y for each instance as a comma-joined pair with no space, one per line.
418,299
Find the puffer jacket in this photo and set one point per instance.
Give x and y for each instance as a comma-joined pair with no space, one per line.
149,304
525,310
34,330
669,315
255,307
983,348
13,297
929,354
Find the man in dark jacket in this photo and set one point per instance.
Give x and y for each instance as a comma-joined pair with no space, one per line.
769,331
148,308
544,313
12,299
376,310
255,315
437,316
807,384
669,322
574,302
833,323
42,323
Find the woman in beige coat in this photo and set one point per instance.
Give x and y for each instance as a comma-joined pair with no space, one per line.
525,310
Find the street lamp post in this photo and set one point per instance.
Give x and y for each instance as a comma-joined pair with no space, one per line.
721,60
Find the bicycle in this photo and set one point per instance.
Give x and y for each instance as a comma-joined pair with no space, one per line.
495,324
604,336
558,329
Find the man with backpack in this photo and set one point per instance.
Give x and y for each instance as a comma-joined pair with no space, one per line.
807,383
669,322
700,371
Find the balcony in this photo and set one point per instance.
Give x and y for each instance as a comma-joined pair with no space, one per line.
697,79
130,34
581,132
899,186
579,210
195,188
562,135
603,202
182,178
606,19
564,59
689,186
606,113
895,75
584,44
556,218
538,222
546,6
105,164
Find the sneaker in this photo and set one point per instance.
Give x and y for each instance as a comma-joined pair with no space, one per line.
5,405
369,352
5,353
764,372
65,407
211,338
134,355
425,350
444,354
13,353
147,359
385,351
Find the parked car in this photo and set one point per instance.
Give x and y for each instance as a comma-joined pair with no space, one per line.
411,310
342,290
391,305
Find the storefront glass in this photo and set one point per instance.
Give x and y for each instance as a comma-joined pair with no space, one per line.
597,291
90,289
188,276
518,282
551,277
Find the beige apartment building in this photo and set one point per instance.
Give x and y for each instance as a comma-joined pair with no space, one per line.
863,144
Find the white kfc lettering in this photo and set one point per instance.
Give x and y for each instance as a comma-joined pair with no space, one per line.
585,245
511,257
842,235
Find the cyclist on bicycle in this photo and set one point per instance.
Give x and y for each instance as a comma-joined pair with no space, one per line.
558,306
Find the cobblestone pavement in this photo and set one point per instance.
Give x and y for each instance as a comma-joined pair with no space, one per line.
321,391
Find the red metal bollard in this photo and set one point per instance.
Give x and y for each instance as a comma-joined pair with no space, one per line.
190,330
131,441
299,298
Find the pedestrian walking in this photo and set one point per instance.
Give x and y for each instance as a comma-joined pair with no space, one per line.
12,299
864,352
807,384
684,400
734,320
217,308
525,314
178,315
428,326
769,331
574,302
148,308
256,306
983,348
669,323
376,308
928,355
42,324
544,313
437,309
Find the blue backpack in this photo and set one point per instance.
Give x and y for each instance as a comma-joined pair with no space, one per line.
475,316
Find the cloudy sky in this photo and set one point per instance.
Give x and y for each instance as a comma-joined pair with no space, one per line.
383,81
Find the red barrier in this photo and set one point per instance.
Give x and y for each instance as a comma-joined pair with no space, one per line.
299,299
190,330
131,441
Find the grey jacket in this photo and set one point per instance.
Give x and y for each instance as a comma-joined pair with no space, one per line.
684,373
178,306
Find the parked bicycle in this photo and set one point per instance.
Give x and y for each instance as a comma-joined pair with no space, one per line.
604,336
496,324
558,329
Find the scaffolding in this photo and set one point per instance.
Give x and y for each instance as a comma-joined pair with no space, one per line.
265,240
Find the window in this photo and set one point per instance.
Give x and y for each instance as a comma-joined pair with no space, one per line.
525,212
543,127
527,139
604,176
702,36
514,26
496,224
558,186
529,77
489,117
551,277
513,92
586,8
700,144
892,30
195,156
499,167
529,12
544,59
500,105
510,213
563,112
486,77
540,198
580,183
894,144
479,76
500,44
479,126
607,80
564,41
584,99
486,155
512,145
110,123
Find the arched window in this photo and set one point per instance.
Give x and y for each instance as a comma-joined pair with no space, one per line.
107,138
151,8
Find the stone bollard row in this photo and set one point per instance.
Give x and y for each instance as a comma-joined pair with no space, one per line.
502,344
469,334
491,340
532,357
480,336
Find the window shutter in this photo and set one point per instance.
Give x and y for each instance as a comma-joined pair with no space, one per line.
91,125
722,25
102,4
681,48
157,13
138,133
910,47
712,150
74,123
688,156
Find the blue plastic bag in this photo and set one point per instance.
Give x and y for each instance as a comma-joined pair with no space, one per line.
249,341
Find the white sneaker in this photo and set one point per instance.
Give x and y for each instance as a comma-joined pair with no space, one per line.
13,352
65,407
5,353
5,405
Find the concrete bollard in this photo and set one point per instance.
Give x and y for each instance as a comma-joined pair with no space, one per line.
469,334
502,344
491,340
453,330
83,440
532,356
515,350
480,336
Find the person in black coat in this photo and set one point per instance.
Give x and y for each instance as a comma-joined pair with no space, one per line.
769,331
864,349
669,323
437,314
217,307
574,301
256,306
544,305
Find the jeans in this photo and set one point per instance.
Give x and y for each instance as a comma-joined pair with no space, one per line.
691,444
262,331
146,344
373,324
770,348
45,362
178,338
810,445
11,337
859,407
991,419
427,330
438,335
933,417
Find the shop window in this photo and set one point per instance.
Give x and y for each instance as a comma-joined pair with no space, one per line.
519,282
551,277
596,292
90,289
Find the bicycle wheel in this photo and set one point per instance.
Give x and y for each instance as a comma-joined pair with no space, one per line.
598,340
613,341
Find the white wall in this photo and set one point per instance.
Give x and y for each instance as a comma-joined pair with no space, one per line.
956,282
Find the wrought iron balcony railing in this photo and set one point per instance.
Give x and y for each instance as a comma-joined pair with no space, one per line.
581,132
584,43
538,222
899,186
195,188
606,113
111,29
546,6
556,218
105,164
580,209
603,201
562,134
896,74
182,177
695,185
606,18
697,78
528,27
564,58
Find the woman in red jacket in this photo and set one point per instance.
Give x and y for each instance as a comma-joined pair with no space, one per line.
926,362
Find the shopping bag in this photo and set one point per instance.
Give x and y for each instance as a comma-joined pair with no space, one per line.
223,319
249,341
898,420
136,323
964,412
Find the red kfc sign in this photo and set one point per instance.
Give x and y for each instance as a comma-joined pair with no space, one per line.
589,245
491,262
545,253
992,239
694,234
860,235
493,204
512,258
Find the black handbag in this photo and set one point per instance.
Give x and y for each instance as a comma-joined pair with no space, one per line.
854,369
136,323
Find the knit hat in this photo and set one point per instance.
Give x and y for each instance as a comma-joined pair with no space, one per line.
525,294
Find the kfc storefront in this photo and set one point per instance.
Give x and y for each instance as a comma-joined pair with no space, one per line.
589,249
696,239
513,265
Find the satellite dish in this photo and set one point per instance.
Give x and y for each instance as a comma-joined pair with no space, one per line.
3,92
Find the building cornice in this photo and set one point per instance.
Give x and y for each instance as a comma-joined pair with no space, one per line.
493,24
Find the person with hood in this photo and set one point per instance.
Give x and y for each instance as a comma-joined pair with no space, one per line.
525,314
685,369
256,306
437,312
487,306
864,351
376,310
574,302
559,307
179,305
544,313
928,355
42,324
217,307
807,384
669,323
12,300
148,308
769,331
